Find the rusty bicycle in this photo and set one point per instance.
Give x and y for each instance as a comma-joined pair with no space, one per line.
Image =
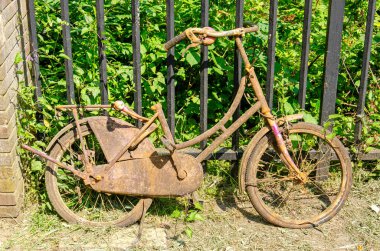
102,170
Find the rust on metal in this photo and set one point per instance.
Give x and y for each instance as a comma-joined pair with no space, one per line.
150,177
164,124
86,160
58,163
114,134
120,106
86,107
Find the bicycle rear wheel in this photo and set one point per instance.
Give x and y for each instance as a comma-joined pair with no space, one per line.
78,203
283,199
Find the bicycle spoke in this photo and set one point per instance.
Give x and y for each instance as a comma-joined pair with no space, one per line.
280,191
274,181
286,197
80,198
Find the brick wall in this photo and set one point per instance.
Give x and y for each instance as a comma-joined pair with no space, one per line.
14,42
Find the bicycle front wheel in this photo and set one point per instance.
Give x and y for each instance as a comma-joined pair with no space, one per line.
282,198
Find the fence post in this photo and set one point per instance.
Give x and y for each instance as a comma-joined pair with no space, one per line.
365,68
305,52
237,76
332,59
101,51
170,81
136,42
68,51
271,51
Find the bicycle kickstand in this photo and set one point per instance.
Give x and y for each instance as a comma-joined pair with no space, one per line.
141,226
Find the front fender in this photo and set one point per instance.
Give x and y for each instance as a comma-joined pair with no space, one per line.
252,144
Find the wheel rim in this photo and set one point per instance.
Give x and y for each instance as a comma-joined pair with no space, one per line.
281,197
81,202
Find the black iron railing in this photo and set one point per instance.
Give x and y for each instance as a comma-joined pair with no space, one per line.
331,71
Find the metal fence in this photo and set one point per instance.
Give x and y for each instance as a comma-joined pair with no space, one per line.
331,70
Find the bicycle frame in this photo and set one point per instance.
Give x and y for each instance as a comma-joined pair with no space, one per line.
113,157
150,126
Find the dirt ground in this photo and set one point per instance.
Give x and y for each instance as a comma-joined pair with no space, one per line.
226,225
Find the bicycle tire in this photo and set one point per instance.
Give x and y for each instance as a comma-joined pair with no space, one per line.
281,198
59,195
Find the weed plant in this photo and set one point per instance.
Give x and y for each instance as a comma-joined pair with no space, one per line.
38,122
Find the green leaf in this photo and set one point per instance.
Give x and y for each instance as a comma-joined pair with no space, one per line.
176,214
189,232
192,58
194,216
191,216
310,119
288,108
370,140
331,136
143,49
198,206
335,116
36,165
63,55
46,123
18,58
85,30
217,70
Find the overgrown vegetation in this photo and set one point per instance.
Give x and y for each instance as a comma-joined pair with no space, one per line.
153,34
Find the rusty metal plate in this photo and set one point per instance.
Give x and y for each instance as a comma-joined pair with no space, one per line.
113,134
151,177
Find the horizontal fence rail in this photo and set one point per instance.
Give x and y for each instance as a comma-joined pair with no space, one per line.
331,71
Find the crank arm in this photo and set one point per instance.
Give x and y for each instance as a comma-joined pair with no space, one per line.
58,163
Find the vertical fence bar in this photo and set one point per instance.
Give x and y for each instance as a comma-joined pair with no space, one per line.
170,65
204,73
237,76
271,51
68,51
305,52
332,58
136,41
101,51
34,47
365,68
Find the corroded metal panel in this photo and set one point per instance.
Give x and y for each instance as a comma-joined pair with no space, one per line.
151,177
113,135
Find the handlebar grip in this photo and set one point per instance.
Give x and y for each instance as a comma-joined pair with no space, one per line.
175,40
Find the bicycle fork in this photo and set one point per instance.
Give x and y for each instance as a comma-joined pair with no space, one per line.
284,153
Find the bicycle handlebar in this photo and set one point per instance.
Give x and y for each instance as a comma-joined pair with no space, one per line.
175,40
207,33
